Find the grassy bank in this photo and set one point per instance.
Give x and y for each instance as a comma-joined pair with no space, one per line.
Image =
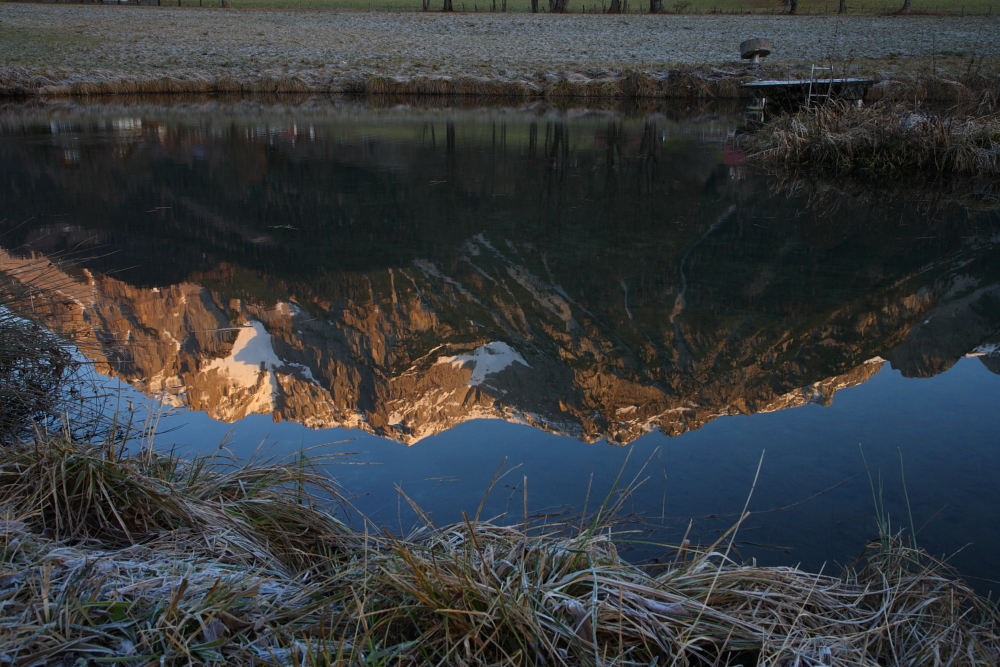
147,559
806,7
59,49
687,82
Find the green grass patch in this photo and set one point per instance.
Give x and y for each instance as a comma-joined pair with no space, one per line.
24,46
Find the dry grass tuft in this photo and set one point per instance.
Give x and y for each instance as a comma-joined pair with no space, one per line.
639,84
258,511
728,88
148,558
685,83
33,367
964,87
567,88
881,139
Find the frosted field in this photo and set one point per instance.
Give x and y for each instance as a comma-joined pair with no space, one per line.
188,40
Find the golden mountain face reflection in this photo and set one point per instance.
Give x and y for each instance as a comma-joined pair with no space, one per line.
592,275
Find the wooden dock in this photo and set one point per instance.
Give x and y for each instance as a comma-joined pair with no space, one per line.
812,90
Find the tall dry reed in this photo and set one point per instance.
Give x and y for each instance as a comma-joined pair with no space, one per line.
883,139
34,364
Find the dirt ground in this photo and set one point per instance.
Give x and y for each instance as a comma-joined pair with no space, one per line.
149,40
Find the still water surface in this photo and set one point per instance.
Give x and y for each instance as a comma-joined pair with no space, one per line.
442,290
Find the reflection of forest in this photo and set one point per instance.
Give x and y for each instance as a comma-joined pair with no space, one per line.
638,281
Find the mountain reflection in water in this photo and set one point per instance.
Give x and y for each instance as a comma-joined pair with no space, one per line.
591,274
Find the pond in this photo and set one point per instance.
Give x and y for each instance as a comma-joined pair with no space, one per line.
583,298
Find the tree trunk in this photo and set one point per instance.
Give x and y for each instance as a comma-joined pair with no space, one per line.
426,6
905,9
559,6
655,6
793,6
447,6
616,7
534,6
843,7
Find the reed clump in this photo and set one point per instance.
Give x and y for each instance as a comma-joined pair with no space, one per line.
972,85
140,558
881,139
34,364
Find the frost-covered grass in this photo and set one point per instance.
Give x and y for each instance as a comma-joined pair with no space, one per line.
86,49
178,40
806,7
146,559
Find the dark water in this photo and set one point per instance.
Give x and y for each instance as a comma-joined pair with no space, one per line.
570,291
